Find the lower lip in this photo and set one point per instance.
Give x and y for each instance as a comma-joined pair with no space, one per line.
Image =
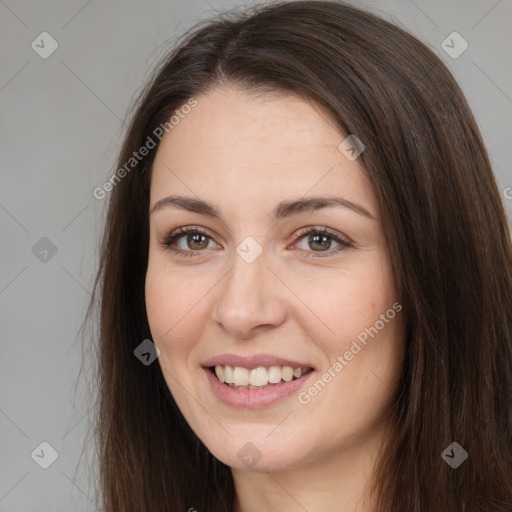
254,398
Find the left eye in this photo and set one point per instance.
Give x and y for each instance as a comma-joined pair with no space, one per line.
320,241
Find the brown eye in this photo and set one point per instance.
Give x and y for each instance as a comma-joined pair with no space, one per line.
197,241
319,240
187,241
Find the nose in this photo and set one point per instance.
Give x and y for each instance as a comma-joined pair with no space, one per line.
251,299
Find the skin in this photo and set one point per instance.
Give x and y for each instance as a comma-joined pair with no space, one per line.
246,153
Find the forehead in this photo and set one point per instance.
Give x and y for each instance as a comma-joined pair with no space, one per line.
256,148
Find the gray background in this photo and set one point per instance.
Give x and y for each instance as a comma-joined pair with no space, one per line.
60,128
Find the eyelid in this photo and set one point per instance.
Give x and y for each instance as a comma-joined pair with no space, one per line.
323,230
170,237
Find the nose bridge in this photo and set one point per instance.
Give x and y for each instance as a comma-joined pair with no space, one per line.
248,297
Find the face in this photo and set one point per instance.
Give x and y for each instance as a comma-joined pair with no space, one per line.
269,279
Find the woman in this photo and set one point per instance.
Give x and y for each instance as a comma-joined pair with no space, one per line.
305,229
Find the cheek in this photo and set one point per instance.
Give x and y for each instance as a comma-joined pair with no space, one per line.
350,305
160,302
173,309
346,302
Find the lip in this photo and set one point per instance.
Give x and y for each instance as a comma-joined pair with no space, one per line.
254,361
255,398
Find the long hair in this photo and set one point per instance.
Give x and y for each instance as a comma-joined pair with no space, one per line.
449,244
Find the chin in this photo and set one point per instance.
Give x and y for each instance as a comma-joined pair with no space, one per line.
255,453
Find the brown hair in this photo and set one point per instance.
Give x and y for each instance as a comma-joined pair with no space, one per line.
448,239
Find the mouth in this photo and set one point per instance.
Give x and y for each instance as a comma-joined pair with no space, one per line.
255,381
261,377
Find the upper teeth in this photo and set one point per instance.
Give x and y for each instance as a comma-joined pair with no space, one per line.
260,376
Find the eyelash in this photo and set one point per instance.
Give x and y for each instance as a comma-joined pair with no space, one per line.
175,235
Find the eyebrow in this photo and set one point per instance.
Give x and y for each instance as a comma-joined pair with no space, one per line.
282,210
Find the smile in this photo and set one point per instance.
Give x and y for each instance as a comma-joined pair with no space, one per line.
239,377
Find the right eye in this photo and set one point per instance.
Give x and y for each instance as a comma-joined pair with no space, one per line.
192,239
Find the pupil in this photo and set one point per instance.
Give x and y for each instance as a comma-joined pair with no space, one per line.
316,238
194,239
